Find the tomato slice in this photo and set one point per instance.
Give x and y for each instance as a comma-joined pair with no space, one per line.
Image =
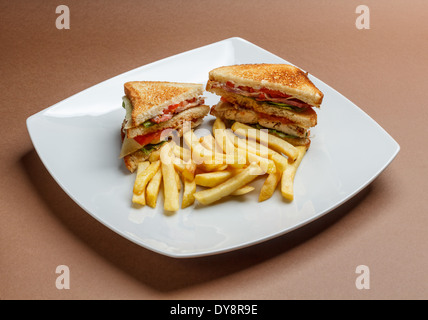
262,91
147,138
171,108
248,89
230,84
274,93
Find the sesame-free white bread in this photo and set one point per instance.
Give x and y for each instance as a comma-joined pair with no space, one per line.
150,98
285,78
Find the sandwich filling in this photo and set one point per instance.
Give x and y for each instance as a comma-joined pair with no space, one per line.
274,97
234,112
152,133
167,114
157,111
277,97
173,109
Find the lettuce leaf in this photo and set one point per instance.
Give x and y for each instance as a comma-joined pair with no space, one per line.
286,106
128,107
148,123
273,131
148,148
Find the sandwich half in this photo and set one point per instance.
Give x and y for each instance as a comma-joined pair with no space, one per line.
277,97
153,110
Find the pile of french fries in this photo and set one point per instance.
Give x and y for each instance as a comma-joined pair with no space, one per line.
222,164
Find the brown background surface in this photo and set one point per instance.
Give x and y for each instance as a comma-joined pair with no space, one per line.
383,70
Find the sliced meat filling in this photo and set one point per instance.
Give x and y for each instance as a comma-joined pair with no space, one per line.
262,94
174,109
226,110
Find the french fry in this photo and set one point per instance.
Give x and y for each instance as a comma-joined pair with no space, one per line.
235,171
154,155
223,142
203,155
273,142
144,176
221,138
218,124
140,198
189,171
269,185
224,189
233,160
222,167
178,180
287,181
153,188
264,162
199,154
242,191
261,150
209,143
188,193
280,161
179,165
208,167
212,179
224,163
190,139
171,195
182,153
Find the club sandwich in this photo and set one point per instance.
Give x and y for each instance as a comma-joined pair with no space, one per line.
278,97
153,110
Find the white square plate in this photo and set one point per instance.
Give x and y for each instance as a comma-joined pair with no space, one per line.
78,141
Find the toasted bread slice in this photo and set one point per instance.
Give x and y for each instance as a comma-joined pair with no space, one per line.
150,98
306,118
177,120
131,160
280,77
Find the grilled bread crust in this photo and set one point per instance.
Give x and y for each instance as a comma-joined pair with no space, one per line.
150,98
131,161
186,115
306,119
285,78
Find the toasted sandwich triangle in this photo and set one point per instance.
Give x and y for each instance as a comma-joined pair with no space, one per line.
151,98
281,77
